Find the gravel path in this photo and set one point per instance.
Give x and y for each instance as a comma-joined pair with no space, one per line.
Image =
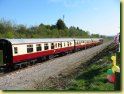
27,78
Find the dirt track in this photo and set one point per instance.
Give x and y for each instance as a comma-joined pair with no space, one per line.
27,78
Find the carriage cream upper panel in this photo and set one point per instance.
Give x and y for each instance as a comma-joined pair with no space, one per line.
22,48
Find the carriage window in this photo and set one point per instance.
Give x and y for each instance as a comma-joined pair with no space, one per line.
77,42
15,50
64,44
29,48
59,44
55,45
68,44
38,47
46,46
52,45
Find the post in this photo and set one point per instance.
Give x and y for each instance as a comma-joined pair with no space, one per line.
117,84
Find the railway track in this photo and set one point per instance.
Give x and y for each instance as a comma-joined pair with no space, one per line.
24,79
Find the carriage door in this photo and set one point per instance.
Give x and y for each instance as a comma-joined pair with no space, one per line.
1,57
1,54
5,52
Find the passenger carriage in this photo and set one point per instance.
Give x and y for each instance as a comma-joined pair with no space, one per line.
27,51
17,50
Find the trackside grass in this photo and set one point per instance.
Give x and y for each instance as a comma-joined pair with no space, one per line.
94,78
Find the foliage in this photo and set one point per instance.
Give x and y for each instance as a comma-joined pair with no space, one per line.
60,25
11,30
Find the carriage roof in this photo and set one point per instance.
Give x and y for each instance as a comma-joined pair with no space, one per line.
88,38
38,40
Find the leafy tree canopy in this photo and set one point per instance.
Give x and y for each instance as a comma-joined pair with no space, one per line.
60,25
10,30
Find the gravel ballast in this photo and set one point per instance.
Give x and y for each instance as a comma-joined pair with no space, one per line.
25,79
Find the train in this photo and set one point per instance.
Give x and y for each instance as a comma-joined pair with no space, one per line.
17,53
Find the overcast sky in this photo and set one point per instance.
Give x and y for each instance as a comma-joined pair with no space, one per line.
95,16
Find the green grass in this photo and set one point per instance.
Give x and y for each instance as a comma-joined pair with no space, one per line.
94,78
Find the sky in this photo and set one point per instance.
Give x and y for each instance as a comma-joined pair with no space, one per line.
96,16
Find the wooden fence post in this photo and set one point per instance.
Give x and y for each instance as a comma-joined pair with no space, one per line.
117,85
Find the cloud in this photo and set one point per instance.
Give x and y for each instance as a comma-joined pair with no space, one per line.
69,3
56,1
72,4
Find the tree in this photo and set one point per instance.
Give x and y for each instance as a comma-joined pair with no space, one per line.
33,29
6,26
9,34
60,25
21,28
53,27
95,35
10,30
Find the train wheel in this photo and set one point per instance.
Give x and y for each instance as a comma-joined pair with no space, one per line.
16,67
51,57
63,53
2,69
44,58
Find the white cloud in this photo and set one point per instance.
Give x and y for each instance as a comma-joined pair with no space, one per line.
69,3
56,1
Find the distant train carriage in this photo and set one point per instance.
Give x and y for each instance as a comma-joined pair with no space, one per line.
97,41
26,51
82,43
